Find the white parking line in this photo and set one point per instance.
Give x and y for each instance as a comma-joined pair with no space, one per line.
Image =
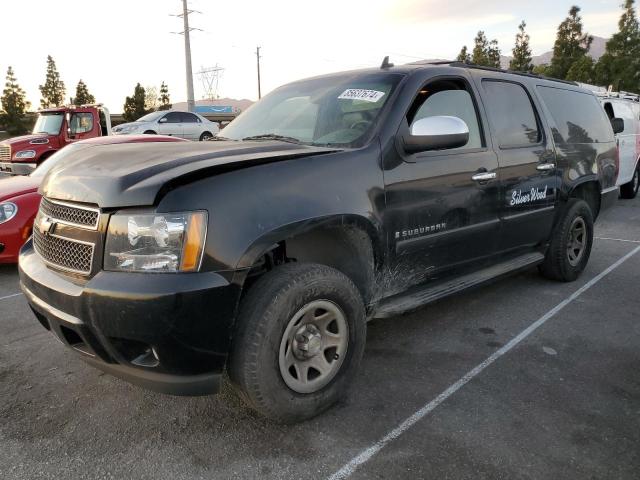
617,239
349,468
11,296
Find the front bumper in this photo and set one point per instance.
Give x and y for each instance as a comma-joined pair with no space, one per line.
17,168
165,332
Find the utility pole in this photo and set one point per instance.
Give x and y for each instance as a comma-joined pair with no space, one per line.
258,60
191,103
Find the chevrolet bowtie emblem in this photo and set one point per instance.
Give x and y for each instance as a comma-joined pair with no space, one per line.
46,226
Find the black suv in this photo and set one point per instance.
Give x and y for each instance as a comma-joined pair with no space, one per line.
331,201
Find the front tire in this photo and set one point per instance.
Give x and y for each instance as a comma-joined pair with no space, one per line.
571,242
150,132
299,338
630,190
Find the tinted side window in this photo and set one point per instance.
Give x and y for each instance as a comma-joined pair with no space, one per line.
173,117
578,116
511,114
189,118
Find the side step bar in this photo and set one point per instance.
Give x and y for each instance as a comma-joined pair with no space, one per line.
419,296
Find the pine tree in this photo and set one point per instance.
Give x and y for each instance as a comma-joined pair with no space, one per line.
14,105
165,100
582,70
464,56
571,44
493,54
134,106
83,97
620,64
521,61
53,90
485,52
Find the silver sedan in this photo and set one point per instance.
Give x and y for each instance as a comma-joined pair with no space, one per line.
176,124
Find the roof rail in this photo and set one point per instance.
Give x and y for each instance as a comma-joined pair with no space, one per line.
457,63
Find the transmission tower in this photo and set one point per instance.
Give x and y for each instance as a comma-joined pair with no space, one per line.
210,78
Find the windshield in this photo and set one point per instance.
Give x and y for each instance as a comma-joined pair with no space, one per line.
53,160
150,117
49,123
333,110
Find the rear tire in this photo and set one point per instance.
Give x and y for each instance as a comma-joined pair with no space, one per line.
205,136
630,190
275,324
571,242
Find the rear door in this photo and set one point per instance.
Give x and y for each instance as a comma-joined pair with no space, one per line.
191,126
528,173
171,124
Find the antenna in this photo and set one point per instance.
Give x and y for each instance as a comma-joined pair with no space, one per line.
210,78
386,63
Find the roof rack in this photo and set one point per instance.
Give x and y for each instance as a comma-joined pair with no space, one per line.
607,92
457,63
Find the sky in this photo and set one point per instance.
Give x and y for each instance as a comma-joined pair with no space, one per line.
113,44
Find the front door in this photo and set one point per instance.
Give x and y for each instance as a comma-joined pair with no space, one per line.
171,124
442,206
527,160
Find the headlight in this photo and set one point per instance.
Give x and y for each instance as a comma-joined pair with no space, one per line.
26,154
128,128
8,210
155,242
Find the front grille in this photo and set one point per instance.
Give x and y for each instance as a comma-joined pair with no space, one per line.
65,235
65,213
63,253
5,153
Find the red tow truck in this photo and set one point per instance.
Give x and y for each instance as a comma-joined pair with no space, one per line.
54,128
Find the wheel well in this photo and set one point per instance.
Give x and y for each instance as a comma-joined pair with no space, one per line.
590,193
348,249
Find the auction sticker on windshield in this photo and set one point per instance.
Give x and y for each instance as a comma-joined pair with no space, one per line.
361,94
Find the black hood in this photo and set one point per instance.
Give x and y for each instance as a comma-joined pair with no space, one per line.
134,174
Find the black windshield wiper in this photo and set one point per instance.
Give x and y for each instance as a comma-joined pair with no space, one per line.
273,136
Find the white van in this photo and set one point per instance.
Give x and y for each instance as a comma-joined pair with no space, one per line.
626,107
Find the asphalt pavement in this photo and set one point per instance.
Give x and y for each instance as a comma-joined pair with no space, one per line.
522,379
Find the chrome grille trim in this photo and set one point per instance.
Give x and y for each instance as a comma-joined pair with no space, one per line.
70,214
58,252
5,153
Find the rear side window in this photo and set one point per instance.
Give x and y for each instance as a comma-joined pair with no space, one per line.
578,116
189,118
511,114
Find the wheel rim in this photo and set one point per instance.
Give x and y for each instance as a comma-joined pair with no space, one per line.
577,242
206,137
313,346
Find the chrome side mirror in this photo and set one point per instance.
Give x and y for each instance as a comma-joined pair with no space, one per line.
436,133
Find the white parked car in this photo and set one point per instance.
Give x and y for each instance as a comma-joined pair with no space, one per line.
174,123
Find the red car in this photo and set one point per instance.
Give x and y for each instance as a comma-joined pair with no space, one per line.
19,197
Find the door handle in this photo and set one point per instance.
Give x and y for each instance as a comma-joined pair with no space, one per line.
484,176
545,167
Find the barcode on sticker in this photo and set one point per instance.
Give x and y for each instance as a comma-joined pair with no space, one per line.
361,94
